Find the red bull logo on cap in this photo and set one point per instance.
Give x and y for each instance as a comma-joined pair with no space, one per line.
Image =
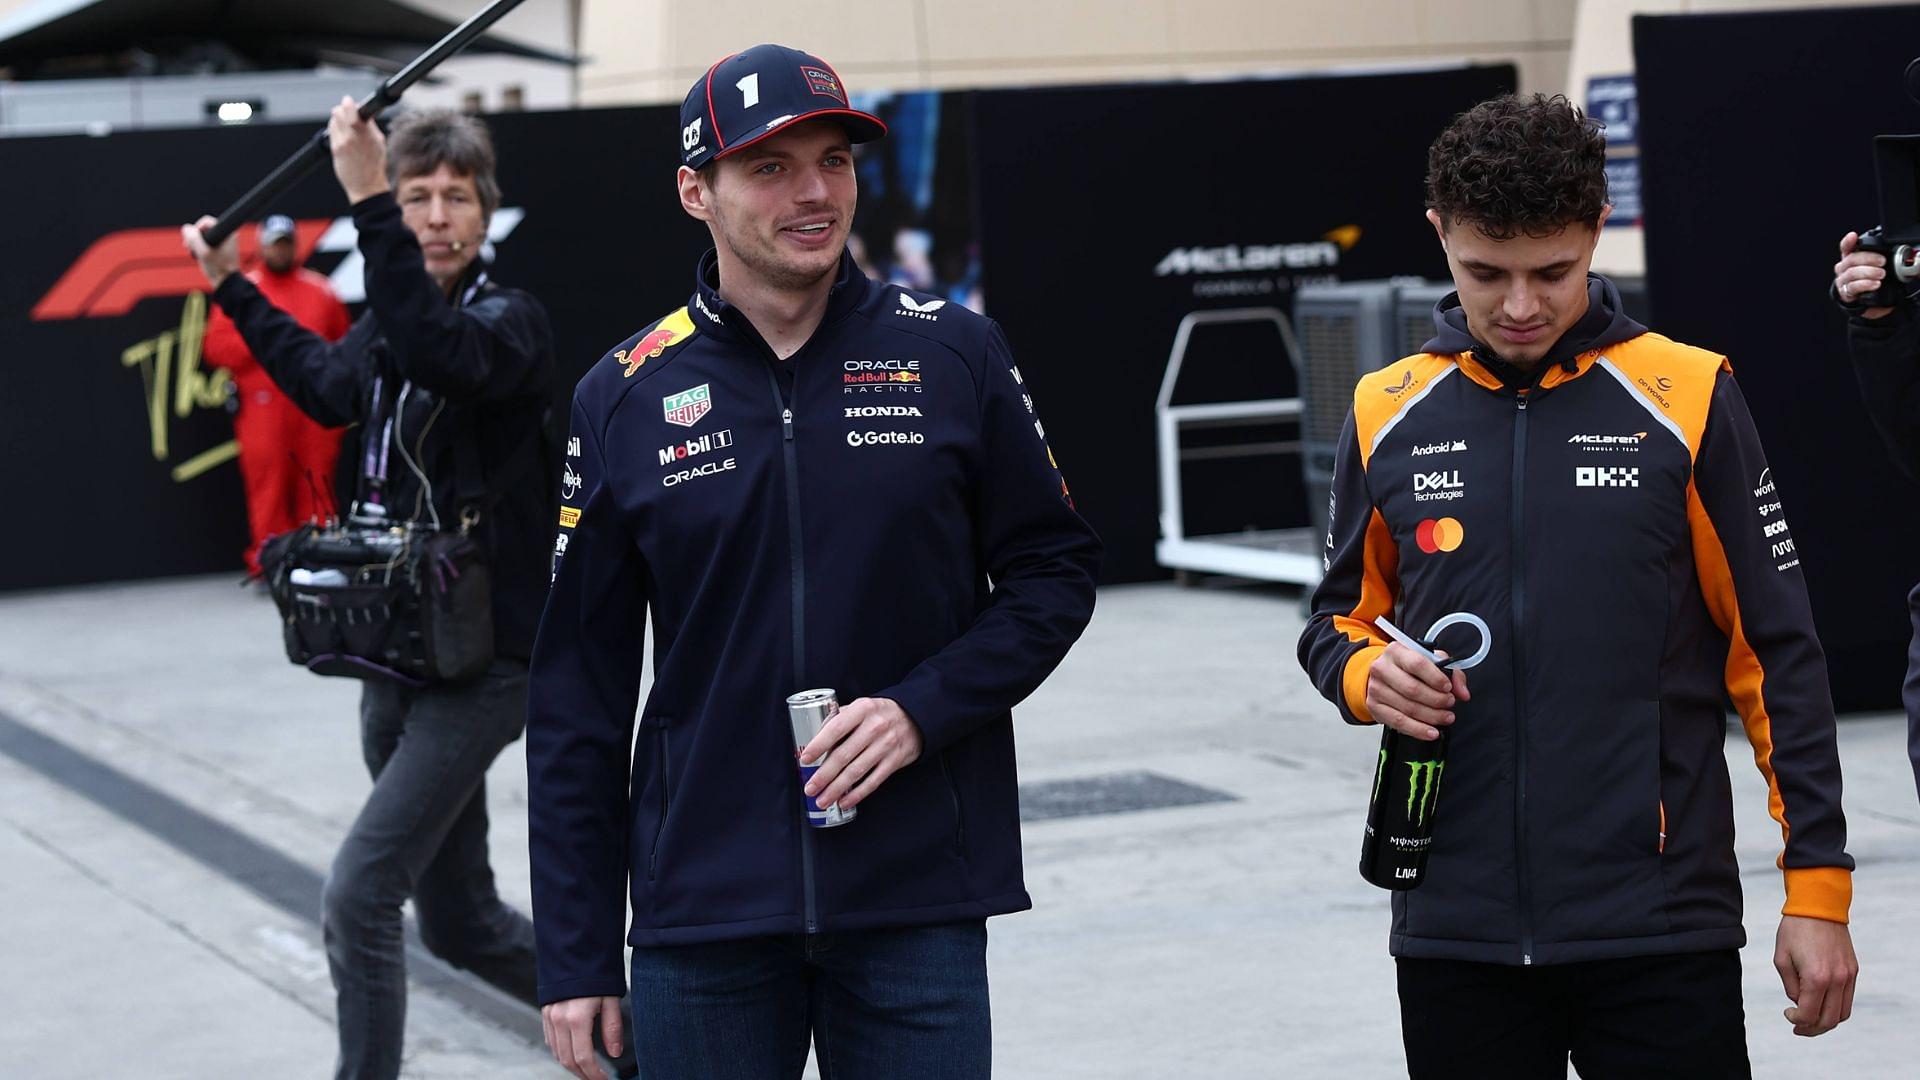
824,82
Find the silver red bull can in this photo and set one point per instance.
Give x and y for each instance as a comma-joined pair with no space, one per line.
810,710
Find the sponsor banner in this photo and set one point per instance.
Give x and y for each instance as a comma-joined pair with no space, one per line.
103,316
1090,291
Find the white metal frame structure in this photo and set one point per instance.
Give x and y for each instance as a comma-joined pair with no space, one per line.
1284,555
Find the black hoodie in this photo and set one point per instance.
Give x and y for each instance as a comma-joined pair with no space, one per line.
1603,324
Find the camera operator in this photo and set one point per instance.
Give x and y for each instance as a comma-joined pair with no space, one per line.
1885,345
448,375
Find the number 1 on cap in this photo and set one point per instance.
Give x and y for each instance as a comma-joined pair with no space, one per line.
749,90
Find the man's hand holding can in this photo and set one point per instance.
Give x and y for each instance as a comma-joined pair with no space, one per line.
869,740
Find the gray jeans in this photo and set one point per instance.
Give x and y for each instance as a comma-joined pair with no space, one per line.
422,834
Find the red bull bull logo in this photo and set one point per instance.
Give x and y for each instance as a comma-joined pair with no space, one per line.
669,332
649,347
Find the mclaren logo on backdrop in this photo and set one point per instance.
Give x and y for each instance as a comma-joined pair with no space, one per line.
1255,258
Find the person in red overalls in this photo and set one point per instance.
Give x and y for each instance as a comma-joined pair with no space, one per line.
286,459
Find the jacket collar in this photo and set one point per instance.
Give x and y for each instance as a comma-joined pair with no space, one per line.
715,316
1605,324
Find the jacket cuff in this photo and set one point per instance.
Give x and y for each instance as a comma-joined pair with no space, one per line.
936,725
589,986
1353,682
1857,323
372,205
1819,892
234,291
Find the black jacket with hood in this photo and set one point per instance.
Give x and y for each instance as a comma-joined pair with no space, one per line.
1614,521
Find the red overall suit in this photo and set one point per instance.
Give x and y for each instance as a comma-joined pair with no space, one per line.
285,457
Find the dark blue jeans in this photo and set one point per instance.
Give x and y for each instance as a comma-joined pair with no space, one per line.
422,834
907,1004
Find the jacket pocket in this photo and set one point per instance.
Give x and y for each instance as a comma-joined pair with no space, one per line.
664,783
959,816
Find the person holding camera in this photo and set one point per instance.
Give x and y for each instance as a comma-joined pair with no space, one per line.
1884,341
448,376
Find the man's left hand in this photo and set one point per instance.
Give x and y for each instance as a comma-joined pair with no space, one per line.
359,152
868,740
1817,967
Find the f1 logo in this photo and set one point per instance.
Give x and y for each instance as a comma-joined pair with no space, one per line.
690,135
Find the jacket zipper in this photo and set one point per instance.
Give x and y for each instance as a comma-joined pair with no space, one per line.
1519,686
666,800
797,567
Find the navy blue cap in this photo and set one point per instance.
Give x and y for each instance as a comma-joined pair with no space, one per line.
750,95
275,227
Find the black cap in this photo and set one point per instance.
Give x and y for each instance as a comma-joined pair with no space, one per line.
750,95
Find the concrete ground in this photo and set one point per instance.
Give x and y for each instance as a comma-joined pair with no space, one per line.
171,792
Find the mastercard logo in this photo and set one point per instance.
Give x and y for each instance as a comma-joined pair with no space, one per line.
1435,536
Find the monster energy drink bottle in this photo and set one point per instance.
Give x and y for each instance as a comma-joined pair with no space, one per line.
810,710
1406,791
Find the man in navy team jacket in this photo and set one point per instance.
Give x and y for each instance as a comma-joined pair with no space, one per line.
811,479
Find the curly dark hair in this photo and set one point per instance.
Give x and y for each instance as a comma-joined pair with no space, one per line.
1515,165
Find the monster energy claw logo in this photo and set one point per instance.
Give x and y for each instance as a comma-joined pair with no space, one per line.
1423,788
1380,774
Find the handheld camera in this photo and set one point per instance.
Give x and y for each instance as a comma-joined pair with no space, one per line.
1896,162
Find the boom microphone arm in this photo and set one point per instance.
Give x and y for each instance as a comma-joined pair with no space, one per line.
315,151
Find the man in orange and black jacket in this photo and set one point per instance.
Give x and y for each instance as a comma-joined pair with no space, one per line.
1597,494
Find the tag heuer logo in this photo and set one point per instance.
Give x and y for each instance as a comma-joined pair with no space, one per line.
915,309
686,408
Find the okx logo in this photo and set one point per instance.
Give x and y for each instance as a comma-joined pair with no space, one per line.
1423,789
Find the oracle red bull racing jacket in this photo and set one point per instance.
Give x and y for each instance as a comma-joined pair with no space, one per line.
879,514
1618,528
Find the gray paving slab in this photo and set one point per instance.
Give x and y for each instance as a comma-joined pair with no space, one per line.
1227,939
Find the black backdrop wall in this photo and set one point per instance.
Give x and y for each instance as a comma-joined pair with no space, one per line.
1103,215
1756,136
111,434
1103,212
